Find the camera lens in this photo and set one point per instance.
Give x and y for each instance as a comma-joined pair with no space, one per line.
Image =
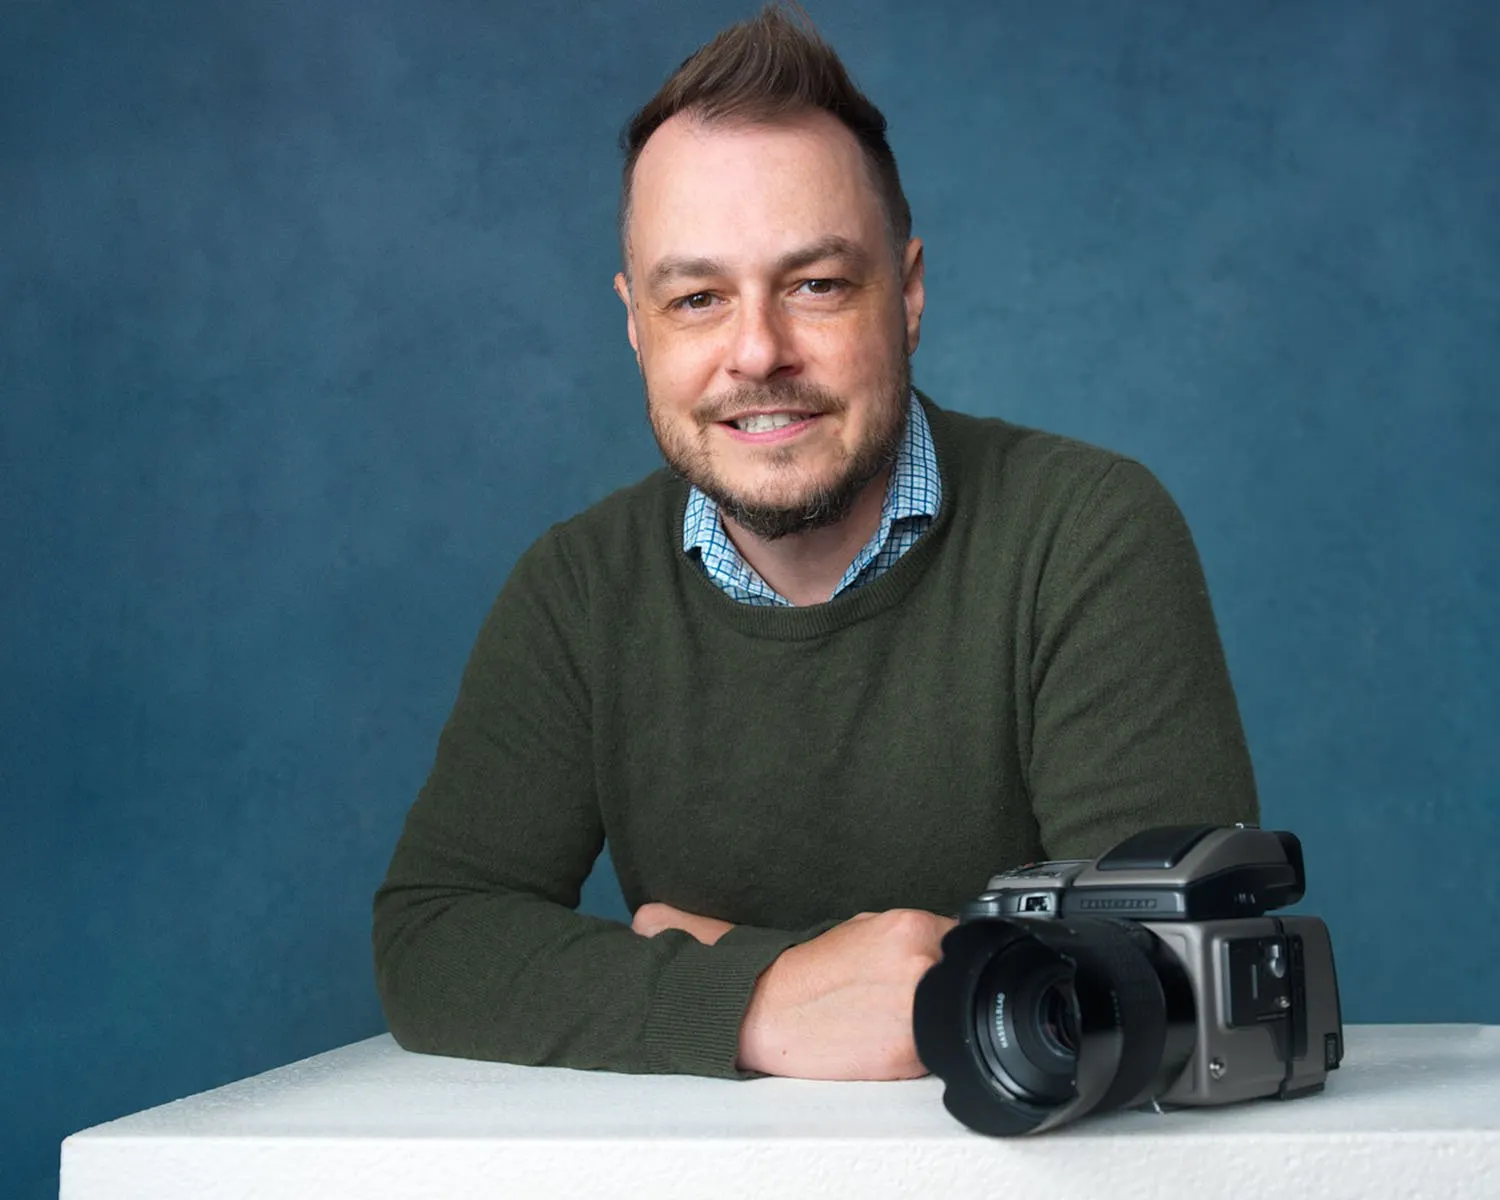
1034,1022
1019,1003
1057,1018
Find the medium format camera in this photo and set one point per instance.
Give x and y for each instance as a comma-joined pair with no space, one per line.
1148,976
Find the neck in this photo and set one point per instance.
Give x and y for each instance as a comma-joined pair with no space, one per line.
806,567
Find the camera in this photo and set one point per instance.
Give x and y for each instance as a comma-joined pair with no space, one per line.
1149,976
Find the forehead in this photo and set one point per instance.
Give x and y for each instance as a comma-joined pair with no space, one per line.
745,194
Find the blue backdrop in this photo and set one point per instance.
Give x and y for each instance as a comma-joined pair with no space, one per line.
306,332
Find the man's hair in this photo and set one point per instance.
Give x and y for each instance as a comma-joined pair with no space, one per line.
770,68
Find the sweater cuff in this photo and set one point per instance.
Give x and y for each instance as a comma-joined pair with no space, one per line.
699,1002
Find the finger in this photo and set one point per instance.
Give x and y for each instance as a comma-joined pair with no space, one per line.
654,918
707,930
651,919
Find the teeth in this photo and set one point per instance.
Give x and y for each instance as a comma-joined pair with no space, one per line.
765,422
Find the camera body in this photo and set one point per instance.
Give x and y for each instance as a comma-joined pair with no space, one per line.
1151,975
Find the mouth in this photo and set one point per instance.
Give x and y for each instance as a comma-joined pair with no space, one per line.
760,423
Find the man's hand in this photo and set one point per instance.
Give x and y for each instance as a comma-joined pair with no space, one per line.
840,1005
651,919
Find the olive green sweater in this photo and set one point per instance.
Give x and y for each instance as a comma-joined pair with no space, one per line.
1039,676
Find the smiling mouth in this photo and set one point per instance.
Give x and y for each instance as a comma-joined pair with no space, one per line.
766,422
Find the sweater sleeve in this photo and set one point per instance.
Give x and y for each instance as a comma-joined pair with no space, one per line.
478,950
1135,721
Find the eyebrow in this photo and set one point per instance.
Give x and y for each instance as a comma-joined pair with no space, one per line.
825,248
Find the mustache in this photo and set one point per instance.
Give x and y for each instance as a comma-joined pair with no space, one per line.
795,394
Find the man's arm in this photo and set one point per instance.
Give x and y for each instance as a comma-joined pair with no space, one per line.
1135,722
478,951
838,1006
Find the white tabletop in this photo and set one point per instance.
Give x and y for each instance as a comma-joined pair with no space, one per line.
1414,1112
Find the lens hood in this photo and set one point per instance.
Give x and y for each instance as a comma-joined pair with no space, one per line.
1033,1022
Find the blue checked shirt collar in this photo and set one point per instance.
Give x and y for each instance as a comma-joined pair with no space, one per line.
912,499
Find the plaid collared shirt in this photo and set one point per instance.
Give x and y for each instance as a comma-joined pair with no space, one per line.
912,499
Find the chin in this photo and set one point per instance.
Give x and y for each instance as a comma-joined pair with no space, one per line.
769,493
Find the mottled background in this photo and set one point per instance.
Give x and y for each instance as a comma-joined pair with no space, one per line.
306,332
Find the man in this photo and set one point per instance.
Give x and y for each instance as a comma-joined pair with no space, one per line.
849,656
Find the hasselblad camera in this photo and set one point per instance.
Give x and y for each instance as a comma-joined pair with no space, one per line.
1151,976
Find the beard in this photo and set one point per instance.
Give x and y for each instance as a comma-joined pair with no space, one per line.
797,503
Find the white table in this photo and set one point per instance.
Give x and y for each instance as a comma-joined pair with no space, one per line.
1414,1112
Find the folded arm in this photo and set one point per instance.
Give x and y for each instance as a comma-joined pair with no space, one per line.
478,950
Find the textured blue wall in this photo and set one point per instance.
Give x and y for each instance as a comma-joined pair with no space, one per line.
306,331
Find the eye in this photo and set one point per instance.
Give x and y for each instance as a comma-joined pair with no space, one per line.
822,287
697,302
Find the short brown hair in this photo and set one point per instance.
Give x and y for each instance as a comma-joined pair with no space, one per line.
766,69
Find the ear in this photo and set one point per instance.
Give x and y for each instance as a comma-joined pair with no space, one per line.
622,290
913,292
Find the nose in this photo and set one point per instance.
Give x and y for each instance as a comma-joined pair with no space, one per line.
762,346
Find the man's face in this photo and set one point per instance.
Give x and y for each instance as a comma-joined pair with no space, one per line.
770,315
